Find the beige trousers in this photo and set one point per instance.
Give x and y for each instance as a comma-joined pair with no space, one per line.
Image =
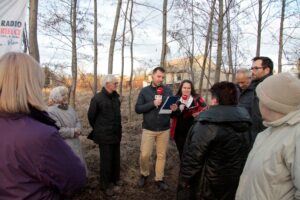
161,138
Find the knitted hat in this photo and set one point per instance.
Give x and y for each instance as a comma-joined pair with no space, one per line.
280,93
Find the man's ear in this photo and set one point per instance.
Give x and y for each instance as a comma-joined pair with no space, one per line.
267,70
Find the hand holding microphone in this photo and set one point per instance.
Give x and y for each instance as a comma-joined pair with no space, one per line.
158,96
183,103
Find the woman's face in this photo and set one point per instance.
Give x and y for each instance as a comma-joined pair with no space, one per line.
64,96
186,89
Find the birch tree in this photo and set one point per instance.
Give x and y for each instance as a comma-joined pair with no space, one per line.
33,42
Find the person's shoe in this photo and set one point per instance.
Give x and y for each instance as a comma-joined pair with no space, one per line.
119,183
162,185
109,192
142,181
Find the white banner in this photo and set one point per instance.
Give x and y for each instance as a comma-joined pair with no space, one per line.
12,19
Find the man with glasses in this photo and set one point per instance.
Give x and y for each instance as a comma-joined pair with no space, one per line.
104,116
262,67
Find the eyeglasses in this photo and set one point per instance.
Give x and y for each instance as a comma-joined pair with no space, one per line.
256,68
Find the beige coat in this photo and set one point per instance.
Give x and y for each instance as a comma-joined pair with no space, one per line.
272,170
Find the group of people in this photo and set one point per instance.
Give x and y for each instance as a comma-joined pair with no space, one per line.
243,145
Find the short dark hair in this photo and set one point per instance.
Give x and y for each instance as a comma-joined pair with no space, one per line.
266,62
225,92
193,92
158,69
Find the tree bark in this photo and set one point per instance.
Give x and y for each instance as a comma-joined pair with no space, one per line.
259,24
95,47
281,36
74,52
207,42
113,38
33,42
229,47
164,35
131,59
191,57
220,42
123,47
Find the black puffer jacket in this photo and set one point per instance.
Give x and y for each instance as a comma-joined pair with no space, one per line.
215,152
105,118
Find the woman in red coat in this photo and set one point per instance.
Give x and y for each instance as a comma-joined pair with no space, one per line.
189,107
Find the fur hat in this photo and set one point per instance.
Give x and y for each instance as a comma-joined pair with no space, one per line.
280,93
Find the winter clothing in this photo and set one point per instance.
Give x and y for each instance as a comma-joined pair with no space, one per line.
246,97
272,168
257,125
35,161
155,129
151,119
182,122
280,93
215,152
68,122
105,118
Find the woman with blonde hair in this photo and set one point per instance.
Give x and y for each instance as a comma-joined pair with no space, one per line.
66,119
33,155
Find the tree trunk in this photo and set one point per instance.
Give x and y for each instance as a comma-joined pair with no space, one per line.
123,47
259,24
229,48
25,39
113,38
33,42
281,36
74,52
220,43
207,42
164,35
131,59
208,85
95,46
191,57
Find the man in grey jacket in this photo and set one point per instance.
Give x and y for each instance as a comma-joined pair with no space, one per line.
155,127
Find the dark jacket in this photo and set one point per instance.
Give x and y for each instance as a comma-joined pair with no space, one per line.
257,125
215,152
246,96
36,163
151,119
104,116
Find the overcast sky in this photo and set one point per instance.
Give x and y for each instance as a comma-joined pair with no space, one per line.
147,43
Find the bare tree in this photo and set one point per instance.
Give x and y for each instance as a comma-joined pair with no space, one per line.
208,39
229,48
73,15
33,42
259,27
123,47
95,47
220,42
164,35
283,2
191,57
131,60
113,38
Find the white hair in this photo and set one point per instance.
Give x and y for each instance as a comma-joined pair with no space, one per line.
108,78
245,71
57,93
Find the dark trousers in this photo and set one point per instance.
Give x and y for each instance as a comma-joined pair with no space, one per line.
109,164
180,141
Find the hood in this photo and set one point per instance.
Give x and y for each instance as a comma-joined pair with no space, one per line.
234,116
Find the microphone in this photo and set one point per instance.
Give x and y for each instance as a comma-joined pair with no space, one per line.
183,103
159,93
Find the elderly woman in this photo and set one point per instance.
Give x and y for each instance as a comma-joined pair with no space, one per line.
272,170
66,119
35,161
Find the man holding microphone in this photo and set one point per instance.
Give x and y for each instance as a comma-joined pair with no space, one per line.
155,127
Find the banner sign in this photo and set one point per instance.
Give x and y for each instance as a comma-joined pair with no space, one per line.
12,19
